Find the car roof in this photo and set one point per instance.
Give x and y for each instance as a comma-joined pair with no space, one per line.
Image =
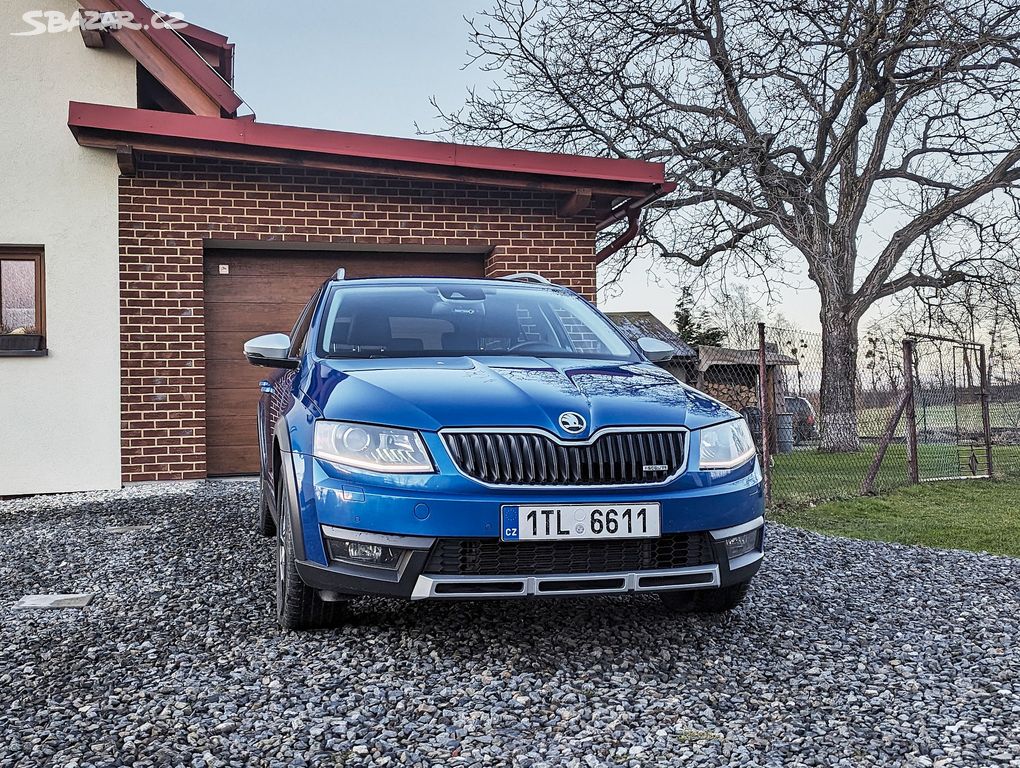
423,281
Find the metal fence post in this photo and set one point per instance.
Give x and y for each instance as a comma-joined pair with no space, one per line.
908,389
986,417
763,410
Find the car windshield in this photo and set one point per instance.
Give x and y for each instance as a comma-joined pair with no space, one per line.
458,319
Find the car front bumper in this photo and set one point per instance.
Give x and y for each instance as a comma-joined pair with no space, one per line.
415,521
411,578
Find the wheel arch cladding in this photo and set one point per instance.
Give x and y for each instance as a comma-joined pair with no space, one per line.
293,477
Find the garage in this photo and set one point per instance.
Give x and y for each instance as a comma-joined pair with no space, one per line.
251,292
227,226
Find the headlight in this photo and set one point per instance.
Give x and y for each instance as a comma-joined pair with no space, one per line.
379,449
725,446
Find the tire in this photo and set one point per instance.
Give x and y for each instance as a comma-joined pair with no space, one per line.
298,606
264,523
705,601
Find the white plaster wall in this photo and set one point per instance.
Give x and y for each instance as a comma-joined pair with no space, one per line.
60,415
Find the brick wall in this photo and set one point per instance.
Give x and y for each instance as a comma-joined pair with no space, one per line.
173,205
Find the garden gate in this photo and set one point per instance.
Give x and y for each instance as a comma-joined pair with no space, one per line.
948,426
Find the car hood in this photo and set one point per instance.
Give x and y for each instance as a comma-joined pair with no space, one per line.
432,393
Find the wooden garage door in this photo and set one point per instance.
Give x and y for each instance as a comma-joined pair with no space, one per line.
248,293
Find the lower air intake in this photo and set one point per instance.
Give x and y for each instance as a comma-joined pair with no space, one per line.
491,557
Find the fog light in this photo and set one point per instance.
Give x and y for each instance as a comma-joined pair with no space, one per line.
741,544
364,554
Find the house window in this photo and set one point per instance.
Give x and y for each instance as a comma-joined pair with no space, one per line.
22,294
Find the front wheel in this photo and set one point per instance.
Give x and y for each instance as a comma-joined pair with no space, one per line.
298,606
705,600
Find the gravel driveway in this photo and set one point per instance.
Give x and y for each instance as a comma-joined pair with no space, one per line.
846,653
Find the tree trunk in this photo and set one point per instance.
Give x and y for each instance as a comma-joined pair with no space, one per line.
839,383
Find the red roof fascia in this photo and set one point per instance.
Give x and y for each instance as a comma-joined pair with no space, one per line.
191,63
205,39
196,33
195,128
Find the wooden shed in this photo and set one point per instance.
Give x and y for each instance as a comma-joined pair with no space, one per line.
731,375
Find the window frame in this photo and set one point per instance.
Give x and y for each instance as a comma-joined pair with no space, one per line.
299,332
37,255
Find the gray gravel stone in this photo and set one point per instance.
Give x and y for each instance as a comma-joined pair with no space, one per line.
846,653
54,602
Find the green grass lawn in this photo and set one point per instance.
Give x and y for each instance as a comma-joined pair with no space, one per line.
806,475
978,515
873,421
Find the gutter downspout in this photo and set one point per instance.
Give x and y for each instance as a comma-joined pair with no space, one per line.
632,212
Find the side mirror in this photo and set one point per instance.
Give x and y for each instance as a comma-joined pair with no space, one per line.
655,350
271,351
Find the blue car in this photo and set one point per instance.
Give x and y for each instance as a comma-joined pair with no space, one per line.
447,438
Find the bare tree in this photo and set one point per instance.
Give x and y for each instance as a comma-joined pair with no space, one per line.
870,140
737,312
987,311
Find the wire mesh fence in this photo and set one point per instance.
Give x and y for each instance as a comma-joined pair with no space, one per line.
910,410
1004,413
808,467
949,409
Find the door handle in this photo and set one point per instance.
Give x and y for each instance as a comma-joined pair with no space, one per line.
265,386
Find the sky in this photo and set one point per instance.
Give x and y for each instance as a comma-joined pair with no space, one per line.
371,67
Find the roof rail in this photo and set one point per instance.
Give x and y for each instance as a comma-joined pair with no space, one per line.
528,277
341,274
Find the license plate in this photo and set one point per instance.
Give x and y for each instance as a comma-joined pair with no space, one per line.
574,522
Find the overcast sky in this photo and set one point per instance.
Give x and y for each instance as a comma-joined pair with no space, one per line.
371,67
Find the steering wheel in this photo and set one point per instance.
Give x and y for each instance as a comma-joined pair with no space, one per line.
529,345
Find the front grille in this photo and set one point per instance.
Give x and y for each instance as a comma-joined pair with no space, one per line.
491,557
524,458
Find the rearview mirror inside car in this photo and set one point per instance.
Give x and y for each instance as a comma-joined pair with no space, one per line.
271,351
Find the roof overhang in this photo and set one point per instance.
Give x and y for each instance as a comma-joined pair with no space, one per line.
171,59
726,356
214,48
603,184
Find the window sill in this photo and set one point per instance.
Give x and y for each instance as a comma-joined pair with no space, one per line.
24,352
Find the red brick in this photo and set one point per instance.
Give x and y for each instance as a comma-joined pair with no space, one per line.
173,205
